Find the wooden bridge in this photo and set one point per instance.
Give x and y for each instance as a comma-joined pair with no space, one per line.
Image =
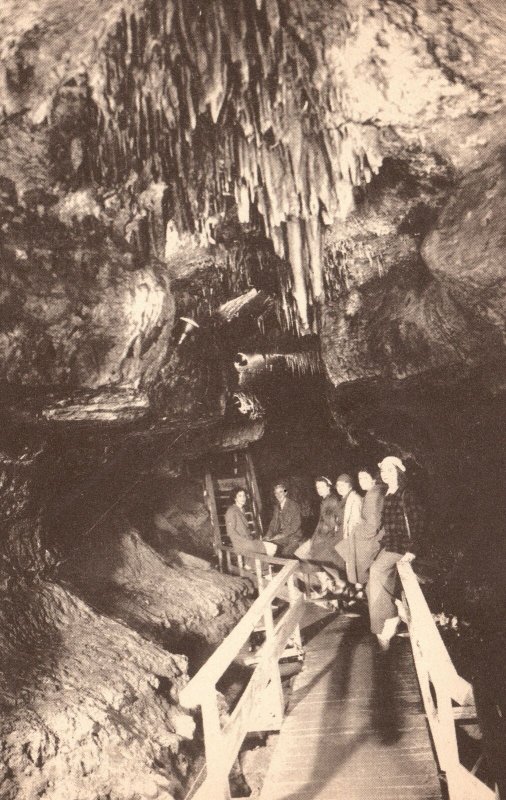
359,723
354,728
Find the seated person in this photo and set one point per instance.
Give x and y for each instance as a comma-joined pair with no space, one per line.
351,504
240,534
320,554
402,524
286,524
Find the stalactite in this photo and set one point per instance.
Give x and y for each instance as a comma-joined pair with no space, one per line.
229,59
314,245
249,365
296,258
303,363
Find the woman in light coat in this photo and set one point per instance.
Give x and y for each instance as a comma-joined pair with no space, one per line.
351,503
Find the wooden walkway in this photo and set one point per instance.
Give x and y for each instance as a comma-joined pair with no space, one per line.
354,728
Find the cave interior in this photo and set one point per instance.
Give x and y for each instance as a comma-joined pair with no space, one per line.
230,224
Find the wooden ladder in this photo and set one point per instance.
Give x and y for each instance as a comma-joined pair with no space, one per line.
231,470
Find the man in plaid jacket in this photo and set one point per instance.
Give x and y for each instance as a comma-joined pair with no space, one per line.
402,527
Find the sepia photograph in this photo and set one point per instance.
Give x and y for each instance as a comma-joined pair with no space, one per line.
252,399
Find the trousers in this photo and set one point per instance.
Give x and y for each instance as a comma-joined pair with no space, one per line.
381,589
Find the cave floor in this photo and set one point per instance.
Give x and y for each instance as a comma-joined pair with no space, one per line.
354,726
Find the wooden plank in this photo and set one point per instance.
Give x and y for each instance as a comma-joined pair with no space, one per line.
216,782
285,626
465,713
208,676
261,706
256,500
429,639
213,510
353,731
227,484
240,721
265,559
466,786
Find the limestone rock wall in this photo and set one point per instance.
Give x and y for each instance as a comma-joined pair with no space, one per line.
89,707
189,608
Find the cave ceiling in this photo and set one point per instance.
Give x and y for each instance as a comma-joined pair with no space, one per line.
336,170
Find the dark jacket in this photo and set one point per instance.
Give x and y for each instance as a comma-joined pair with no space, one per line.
328,531
286,527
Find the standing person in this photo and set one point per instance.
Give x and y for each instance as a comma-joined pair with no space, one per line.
401,524
286,524
323,541
351,503
365,542
240,534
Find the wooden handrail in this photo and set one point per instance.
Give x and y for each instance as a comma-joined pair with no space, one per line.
436,653
208,676
263,557
261,706
435,667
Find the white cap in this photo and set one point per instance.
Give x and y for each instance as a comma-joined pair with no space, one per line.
392,461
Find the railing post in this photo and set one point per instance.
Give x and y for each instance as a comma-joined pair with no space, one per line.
217,782
274,700
450,763
261,705
293,595
434,666
259,574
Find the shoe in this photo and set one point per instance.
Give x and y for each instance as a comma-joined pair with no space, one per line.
318,595
349,592
333,594
390,627
401,610
328,605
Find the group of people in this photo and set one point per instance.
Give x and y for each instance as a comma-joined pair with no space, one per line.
356,544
